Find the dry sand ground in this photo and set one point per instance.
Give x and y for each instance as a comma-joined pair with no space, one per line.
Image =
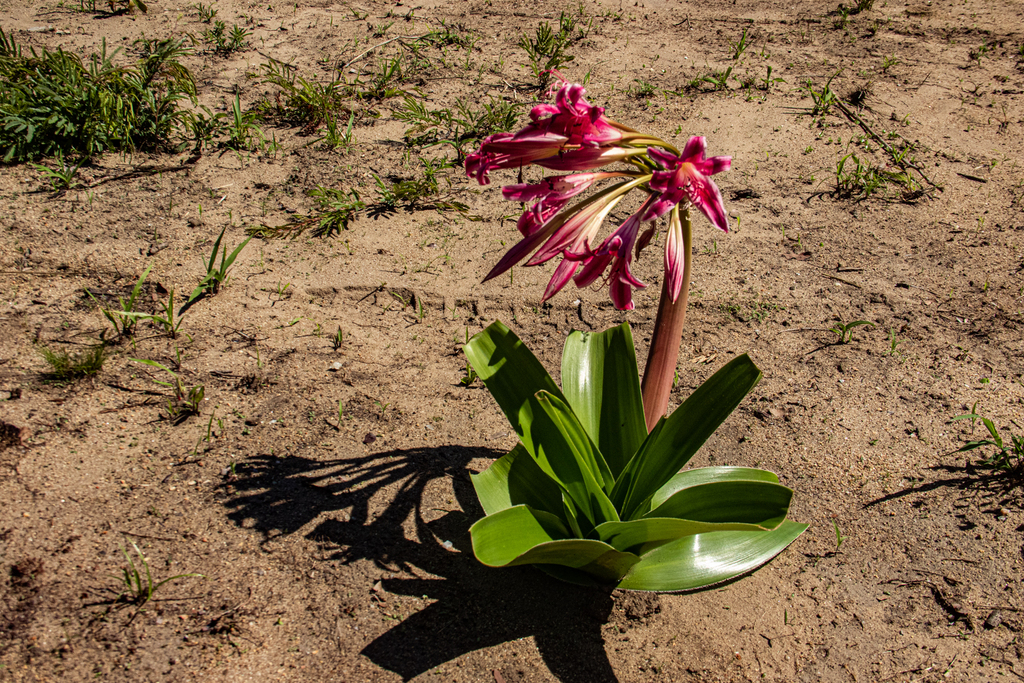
323,543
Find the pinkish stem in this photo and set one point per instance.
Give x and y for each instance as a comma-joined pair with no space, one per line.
659,374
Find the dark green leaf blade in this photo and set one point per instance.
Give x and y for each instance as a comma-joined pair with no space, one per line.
602,384
516,479
706,559
676,439
508,369
564,451
705,475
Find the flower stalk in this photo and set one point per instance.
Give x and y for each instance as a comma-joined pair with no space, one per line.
659,373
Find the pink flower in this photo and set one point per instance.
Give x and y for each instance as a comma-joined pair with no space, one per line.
617,251
688,176
504,150
587,158
568,234
675,255
575,118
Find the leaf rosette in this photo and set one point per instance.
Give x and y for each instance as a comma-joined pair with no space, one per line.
590,497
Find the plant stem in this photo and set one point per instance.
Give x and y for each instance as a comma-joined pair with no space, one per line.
668,334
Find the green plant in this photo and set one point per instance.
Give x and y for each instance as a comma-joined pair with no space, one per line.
225,42
893,341
53,102
243,131
465,124
138,586
184,400
336,139
337,339
335,210
823,100
856,178
306,103
206,12
546,50
845,331
839,536
217,274
125,319
167,320
590,497
740,46
65,367
718,79
1007,457
61,178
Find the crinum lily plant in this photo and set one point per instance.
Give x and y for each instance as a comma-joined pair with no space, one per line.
595,492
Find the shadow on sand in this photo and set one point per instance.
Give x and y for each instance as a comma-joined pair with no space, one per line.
475,606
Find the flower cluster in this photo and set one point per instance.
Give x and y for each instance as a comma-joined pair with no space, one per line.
574,137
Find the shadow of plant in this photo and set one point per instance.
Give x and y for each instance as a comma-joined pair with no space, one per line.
475,606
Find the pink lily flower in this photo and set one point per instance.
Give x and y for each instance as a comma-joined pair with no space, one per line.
567,232
555,188
504,150
587,158
688,176
575,118
675,256
617,251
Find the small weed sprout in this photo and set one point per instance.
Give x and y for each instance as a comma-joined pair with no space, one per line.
337,339
845,331
1007,457
124,320
217,274
65,367
185,401
61,178
839,536
138,586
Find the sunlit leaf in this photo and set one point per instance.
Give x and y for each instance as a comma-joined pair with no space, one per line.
601,382
706,559
676,439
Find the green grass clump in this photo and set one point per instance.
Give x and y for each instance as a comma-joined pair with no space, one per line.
53,103
67,367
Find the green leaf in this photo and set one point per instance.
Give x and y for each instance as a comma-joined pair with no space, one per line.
564,451
674,440
516,479
750,502
602,384
642,535
508,369
706,559
521,535
704,475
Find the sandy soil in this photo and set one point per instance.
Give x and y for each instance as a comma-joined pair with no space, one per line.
337,549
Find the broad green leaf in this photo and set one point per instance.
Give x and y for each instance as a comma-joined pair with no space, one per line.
750,502
642,535
508,369
706,559
564,451
521,535
516,479
704,475
674,440
602,384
